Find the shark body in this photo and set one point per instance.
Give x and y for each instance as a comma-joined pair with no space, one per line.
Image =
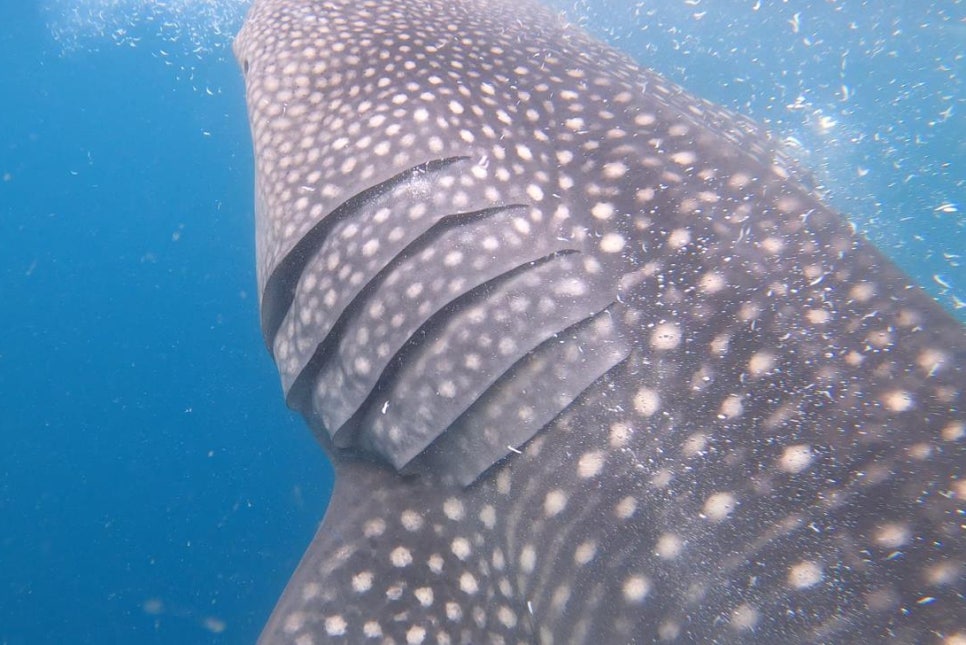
591,363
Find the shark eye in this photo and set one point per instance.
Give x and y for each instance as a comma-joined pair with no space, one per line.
245,67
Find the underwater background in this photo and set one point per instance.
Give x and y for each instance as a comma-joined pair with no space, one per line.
153,486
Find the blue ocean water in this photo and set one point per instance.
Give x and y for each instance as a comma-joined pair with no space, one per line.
153,487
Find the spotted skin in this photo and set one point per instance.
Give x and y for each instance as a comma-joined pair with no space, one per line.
591,363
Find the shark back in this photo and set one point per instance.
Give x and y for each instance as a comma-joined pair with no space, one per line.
592,364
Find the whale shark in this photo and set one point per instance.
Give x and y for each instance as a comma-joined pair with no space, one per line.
592,360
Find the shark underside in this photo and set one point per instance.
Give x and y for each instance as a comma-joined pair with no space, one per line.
592,363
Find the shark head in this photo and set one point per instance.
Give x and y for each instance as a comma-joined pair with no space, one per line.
591,362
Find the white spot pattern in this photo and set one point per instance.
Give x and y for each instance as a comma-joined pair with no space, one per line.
778,376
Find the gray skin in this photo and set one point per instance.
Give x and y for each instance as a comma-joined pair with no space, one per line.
592,364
